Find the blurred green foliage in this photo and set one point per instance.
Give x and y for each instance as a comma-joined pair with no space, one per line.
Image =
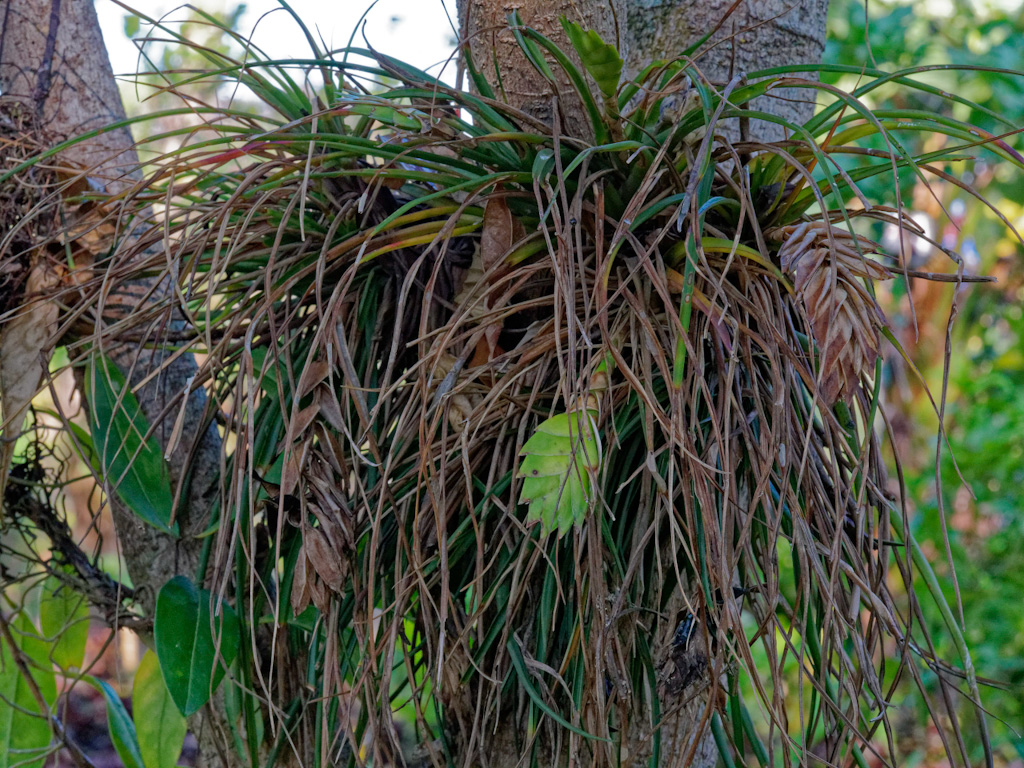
986,524
983,512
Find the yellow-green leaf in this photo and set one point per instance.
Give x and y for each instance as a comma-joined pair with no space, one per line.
24,730
64,617
601,59
159,725
559,466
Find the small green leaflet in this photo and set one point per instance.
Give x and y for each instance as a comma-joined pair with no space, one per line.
601,59
558,468
134,467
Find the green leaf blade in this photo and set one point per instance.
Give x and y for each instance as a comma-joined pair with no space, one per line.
24,730
601,60
135,467
64,618
159,725
122,730
192,659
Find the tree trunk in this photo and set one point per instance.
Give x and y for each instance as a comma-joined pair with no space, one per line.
759,34
53,61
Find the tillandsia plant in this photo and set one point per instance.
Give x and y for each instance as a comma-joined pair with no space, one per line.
569,447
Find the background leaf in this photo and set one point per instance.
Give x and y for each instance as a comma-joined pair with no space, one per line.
64,618
191,658
158,723
23,735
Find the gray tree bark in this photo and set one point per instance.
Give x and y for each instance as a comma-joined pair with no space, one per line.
759,34
53,61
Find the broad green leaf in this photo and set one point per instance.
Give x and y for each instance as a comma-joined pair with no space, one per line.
601,59
134,467
64,618
158,723
25,737
194,646
559,463
122,730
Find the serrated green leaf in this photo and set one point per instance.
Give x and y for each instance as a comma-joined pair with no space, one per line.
64,618
544,486
558,465
601,59
25,731
158,723
539,465
133,466
122,729
192,659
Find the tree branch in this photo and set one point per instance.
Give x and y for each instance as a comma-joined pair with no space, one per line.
102,591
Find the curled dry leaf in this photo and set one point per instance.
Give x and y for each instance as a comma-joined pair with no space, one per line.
458,406
827,265
328,548
301,592
500,232
325,560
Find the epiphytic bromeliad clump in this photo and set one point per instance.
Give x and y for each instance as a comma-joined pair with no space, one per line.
572,443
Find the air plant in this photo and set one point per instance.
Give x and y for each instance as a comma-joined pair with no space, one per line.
508,410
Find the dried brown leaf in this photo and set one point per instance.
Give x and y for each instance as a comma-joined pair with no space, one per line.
300,584
826,264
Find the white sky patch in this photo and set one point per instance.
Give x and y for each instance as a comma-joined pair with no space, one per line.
419,32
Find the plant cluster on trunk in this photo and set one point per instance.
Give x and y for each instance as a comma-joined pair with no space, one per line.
533,420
